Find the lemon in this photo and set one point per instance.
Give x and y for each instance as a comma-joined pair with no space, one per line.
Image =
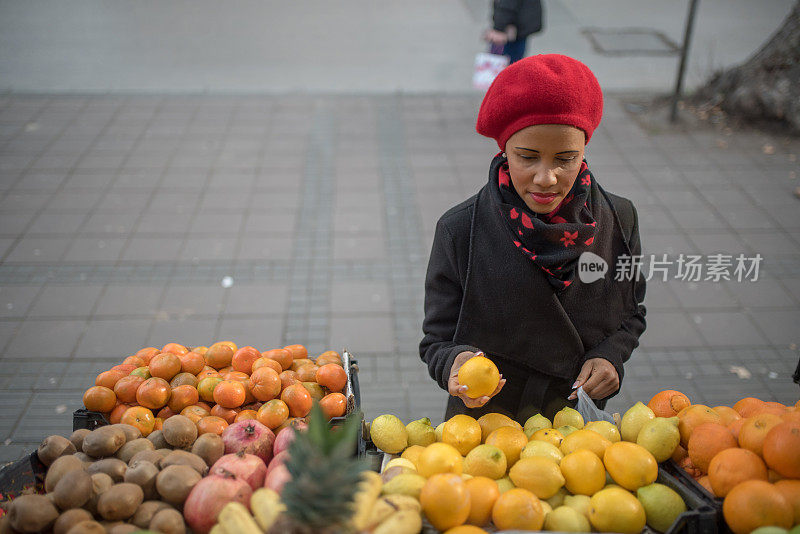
630,465
583,472
660,436
579,503
568,416
420,432
480,375
549,435
492,421
606,429
465,529
540,476
633,420
662,505
462,432
505,484
546,508
545,449
558,499
518,509
536,423
389,434
566,430
509,440
438,431
485,461
406,484
439,458
400,462
616,510
566,519
412,454
585,439
445,500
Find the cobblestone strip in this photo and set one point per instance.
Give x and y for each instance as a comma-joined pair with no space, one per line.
307,320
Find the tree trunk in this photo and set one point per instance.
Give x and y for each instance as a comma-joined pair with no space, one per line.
766,86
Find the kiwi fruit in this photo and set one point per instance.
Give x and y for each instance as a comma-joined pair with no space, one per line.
104,441
152,456
143,474
113,467
120,501
87,527
69,519
100,483
122,528
127,451
179,431
158,439
73,490
146,511
209,447
77,438
185,458
168,522
83,457
60,467
175,482
31,513
54,446
131,432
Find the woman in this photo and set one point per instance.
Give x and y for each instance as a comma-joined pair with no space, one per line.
503,276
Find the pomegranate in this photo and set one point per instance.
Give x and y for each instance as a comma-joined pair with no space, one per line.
282,441
278,459
277,477
250,436
210,495
247,467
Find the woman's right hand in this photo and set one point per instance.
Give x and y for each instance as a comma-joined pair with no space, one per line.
458,390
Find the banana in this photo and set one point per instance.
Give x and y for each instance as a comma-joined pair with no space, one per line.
267,506
235,517
368,490
402,522
390,504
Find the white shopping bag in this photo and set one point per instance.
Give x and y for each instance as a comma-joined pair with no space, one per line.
589,410
487,67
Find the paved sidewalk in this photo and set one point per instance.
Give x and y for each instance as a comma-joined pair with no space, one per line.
120,216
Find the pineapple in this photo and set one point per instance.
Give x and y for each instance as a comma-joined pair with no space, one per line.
325,477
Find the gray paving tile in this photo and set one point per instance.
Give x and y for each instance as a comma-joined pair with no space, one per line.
65,301
198,249
779,327
358,247
7,329
130,300
153,249
37,249
91,249
15,300
721,329
164,221
367,333
48,413
256,299
761,293
45,338
189,332
192,300
208,221
702,294
263,333
113,338
14,222
25,201
110,222
129,200
360,297
270,221
53,222
670,329
265,248
83,200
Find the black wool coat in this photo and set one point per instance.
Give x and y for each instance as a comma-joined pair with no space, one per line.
526,15
481,293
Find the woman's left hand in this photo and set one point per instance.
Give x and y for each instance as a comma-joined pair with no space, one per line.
598,377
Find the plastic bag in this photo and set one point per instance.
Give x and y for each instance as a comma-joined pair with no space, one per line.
487,67
589,411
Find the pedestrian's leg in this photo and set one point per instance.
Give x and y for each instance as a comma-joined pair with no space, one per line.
515,50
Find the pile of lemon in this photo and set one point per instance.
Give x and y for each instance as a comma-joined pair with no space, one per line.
560,475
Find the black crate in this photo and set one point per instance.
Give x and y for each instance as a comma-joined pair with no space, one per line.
23,475
714,502
699,518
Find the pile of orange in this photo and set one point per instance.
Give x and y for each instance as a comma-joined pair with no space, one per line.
218,385
748,453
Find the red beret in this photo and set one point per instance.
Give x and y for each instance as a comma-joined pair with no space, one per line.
542,89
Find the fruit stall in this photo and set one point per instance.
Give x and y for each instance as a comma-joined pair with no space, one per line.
226,439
